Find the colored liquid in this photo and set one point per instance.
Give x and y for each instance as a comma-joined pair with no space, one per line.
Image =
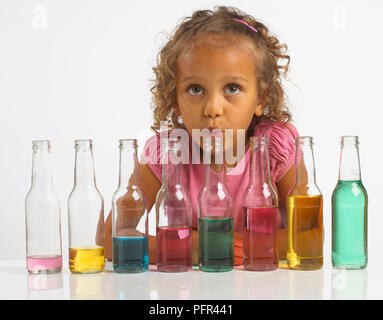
173,249
86,260
260,246
44,264
349,225
305,232
216,245
130,254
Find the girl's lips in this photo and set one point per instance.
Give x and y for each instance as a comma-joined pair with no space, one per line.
215,132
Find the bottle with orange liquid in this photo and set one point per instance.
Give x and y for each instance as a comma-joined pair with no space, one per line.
260,209
86,215
304,212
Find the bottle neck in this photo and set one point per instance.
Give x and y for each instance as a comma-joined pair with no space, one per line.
171,170
304,162
259,165
129,171
84,169
41,169
349,166
215,170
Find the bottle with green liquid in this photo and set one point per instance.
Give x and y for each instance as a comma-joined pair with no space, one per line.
349,210
215,212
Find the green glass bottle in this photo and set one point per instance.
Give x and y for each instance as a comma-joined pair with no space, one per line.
215,211
349,211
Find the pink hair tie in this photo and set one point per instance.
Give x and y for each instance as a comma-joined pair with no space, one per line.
246,24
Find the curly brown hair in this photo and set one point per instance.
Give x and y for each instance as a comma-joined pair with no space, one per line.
221,21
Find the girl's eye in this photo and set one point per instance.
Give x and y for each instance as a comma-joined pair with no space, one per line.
195,90
232,89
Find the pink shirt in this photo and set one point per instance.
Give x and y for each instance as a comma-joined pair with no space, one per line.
281,154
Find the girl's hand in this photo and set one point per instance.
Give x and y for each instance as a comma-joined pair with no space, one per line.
195,247
238,248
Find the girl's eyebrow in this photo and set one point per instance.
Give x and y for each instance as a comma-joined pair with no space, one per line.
228,79
235,79
186,79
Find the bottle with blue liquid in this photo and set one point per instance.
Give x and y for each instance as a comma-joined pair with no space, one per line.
349,211
129,215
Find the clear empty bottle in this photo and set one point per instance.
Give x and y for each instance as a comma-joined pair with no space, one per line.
349,210
260,209
129,215
42,215
215,211
173,214
304,212
86,215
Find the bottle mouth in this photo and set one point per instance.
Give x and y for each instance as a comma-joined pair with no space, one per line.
83,144
41,145
128,143
172,144
304,140
256,141
349,140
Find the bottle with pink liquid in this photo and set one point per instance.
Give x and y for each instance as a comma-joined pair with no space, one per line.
260,210
42,215
173,213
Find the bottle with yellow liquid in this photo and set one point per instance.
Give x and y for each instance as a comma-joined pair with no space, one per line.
304,212
86,215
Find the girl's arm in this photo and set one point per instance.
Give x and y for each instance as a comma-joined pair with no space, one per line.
150,185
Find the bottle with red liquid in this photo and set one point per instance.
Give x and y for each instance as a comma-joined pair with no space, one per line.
260,210
173,213
42,215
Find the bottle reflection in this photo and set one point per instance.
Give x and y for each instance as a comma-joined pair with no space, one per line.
307,285
263,285
90,286
218,286
132,286
45,286
348,284
174,286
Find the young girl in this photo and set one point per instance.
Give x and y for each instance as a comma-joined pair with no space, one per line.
222,69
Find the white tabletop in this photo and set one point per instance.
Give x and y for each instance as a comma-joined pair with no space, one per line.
326,283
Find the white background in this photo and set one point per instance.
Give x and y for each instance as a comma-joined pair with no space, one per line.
82,69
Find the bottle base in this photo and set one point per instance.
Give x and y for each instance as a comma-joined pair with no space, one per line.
260,267
216,268
173,268
349,267
305,263
129,269
348,262
45,271
85,272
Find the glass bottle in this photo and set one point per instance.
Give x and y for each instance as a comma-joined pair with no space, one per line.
260,209
349,210
215,211
129,215
86,215
304,212
42,215
173,214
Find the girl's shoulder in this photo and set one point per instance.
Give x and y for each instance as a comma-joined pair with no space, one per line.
281,138
276,130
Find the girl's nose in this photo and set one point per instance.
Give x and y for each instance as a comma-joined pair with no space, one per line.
214,106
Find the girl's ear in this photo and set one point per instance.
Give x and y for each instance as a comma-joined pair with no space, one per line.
176,110
259,110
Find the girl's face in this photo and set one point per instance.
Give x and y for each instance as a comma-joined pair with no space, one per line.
216,87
